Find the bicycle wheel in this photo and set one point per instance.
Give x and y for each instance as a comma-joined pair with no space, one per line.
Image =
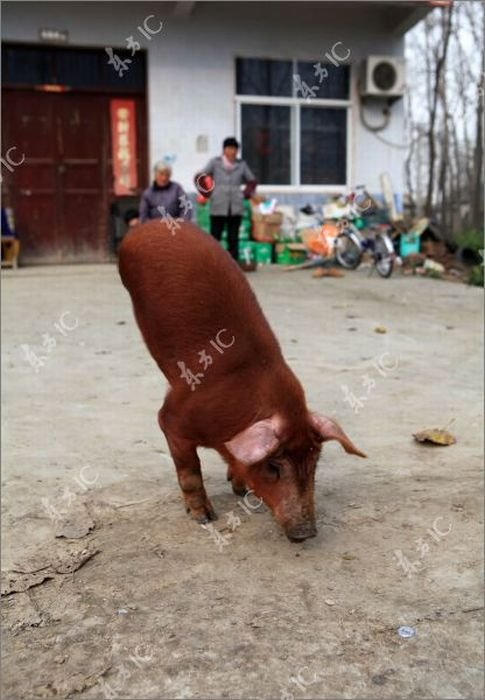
348,251
384,255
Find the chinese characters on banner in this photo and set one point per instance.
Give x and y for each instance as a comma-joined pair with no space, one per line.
123,141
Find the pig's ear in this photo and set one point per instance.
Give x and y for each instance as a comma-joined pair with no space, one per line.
329,430
256,442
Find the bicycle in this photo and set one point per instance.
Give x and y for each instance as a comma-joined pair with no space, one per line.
349,245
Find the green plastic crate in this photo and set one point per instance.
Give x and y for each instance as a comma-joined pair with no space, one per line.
263,253
297,257
284,257
202,210
246,252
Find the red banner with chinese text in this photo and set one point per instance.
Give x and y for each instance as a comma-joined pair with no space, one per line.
123,142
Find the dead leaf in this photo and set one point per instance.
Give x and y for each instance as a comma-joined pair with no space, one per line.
380,329
436,436
348,557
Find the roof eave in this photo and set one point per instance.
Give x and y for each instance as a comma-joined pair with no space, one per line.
412,18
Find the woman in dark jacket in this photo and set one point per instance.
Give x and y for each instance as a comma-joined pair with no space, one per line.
228,173
164,198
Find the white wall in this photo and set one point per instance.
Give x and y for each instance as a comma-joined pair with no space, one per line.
191,79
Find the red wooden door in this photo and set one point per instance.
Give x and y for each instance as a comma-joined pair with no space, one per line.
31,188
82,173
60,192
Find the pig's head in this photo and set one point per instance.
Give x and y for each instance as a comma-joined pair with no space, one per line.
279,465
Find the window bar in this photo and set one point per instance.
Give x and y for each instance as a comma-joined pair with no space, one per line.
297,146
294,132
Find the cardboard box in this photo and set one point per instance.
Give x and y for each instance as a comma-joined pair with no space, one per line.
266,227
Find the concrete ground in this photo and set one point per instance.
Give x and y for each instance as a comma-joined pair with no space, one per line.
137,601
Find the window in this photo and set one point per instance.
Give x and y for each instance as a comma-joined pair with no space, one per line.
82,69
266,142
25,66
334,84
293,118
323,146
257,77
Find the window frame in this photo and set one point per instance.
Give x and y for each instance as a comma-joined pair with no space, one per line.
295,104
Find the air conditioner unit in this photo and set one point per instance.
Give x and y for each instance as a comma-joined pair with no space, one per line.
383,76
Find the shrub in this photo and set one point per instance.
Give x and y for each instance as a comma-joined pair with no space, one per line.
476,276
470,239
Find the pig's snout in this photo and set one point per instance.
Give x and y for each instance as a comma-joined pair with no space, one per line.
300,532
296,519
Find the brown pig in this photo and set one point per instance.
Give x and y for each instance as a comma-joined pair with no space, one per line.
230,388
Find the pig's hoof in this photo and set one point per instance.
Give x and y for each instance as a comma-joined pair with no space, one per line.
204,519
202,515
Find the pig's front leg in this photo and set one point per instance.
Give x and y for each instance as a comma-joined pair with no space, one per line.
189,476
237,481
235,473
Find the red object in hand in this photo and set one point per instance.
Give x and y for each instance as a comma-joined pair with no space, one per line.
204,184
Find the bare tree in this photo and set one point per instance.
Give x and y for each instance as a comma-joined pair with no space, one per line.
437,87
477,191
445,115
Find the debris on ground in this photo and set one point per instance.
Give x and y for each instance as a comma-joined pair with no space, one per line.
32,572
433,266
328,272
68,562
26,614
436,436
78,523
306,238
13,582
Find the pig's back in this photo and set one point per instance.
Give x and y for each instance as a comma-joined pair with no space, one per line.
185,289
